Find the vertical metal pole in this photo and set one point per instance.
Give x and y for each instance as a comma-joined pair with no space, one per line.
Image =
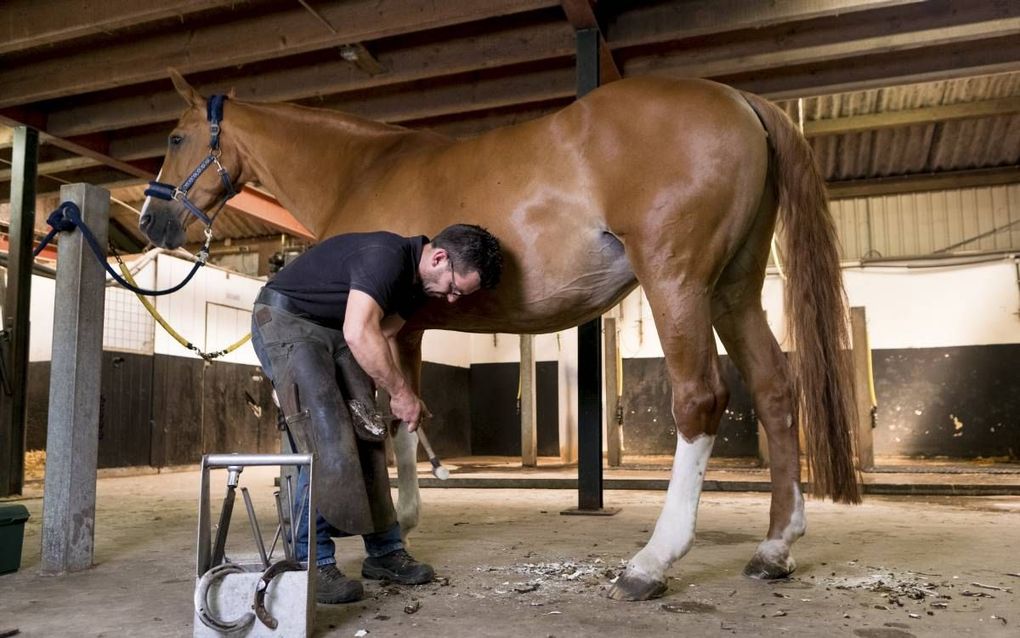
589,339
862,383
529,423
15,310
614,429
69,509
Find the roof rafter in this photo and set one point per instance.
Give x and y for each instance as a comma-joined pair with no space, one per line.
27,24
516,45
261,37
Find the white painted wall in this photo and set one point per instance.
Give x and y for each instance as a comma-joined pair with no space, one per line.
213,311
975,304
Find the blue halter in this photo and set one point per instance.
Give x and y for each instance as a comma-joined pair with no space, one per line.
168,192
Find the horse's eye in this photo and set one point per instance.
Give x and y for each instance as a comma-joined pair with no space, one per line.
175,139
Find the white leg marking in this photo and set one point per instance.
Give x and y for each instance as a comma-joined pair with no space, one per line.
777,550
405,449
674,531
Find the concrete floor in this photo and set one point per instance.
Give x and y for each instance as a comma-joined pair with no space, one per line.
511,565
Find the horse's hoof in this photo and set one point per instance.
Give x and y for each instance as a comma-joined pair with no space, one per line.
634,587
762,569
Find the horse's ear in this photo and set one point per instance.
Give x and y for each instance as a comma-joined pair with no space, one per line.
185,89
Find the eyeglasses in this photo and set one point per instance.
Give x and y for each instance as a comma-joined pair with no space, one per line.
453,275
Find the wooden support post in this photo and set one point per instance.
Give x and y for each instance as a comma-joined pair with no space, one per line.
614,429
862,384
69,509
14,354
529,423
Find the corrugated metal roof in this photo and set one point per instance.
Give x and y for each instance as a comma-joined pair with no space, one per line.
960,144
910,96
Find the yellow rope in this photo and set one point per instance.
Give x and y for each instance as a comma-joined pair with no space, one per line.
208,356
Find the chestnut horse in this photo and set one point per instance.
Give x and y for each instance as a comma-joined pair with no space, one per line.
673,184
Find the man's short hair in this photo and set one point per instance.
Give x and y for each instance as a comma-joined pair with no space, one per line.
472,248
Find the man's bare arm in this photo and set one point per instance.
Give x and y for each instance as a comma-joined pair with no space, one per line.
363,331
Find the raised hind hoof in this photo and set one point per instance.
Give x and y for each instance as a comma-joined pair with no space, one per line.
633,587
762,569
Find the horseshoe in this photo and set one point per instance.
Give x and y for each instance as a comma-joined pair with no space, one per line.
202,600
262,585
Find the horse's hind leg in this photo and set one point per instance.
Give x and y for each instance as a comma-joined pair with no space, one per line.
683,319
741,324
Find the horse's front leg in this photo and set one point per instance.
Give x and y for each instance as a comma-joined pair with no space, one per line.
407,352
699,398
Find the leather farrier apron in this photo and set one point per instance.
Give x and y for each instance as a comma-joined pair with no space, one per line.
315,375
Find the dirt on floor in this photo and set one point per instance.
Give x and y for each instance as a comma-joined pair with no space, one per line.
509,564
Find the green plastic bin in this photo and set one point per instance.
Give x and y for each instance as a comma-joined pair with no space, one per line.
12,534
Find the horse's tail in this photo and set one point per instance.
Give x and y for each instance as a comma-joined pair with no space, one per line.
816,308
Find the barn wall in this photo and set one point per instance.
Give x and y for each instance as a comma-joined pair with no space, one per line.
964,317
495,420
915,316
913,224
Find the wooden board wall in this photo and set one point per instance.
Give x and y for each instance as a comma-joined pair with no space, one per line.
495,424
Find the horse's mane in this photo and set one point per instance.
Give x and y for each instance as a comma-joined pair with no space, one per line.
332,119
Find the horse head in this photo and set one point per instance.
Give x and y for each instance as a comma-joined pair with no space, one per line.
184,189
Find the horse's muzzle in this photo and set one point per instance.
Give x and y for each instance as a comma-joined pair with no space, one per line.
162,228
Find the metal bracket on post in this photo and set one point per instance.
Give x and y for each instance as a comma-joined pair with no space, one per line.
589,343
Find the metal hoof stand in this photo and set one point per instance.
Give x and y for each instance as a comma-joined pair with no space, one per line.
253,595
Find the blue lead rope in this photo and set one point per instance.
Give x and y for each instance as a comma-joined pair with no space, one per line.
67,217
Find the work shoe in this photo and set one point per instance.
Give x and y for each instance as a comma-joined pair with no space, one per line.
332,587
398,567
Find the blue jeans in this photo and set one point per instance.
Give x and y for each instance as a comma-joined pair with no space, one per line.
376,544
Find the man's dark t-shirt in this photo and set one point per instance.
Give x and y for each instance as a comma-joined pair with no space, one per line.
382,265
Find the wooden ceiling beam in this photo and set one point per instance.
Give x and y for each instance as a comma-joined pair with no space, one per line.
928,182
57,166
501,48
507,47
705,17
963,59
581,15
223,45
838,40
912,117
28,24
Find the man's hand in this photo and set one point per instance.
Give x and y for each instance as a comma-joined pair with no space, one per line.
409,408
